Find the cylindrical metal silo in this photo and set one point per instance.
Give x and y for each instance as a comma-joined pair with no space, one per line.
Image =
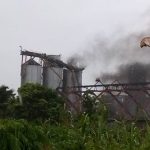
31,72
52,74
52,77
54,56
73,78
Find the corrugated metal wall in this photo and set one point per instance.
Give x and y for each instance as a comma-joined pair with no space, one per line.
52,77
73,78
31,74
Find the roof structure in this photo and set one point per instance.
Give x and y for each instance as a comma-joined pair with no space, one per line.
31,62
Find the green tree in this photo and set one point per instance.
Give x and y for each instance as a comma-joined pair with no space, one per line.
39,103
6,96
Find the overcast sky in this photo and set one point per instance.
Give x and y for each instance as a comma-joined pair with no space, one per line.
61,27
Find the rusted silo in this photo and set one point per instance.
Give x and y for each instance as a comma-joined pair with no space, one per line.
31,72
52,73
73,78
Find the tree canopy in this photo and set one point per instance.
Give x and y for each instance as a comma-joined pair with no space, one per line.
6,94
39,102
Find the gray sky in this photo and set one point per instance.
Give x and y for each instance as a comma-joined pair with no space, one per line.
61,27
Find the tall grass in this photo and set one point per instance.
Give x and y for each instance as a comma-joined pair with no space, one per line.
21,135
86,133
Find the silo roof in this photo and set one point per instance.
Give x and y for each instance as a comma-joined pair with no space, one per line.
31,62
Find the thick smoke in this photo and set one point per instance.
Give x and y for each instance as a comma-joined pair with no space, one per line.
111,58
76,61
131,73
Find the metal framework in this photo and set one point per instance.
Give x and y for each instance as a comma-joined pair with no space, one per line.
44,57
137,95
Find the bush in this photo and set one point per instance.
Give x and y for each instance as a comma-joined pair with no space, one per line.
21,135
64,138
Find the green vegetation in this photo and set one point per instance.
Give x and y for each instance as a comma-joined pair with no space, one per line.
40,122
39,103
21,135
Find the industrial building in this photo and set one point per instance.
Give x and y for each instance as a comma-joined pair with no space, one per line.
50,71
129,99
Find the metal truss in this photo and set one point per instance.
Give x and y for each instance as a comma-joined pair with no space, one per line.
130,101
